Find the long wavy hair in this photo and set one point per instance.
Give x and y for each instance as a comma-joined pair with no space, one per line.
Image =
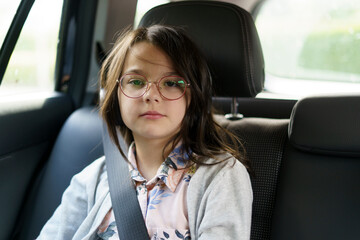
199,133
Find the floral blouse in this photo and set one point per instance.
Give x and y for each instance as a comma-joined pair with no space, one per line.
162,199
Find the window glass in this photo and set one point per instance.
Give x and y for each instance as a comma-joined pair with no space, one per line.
145,5
305,41
7,12
32,64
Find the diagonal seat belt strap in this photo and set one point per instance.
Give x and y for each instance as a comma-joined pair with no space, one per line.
128,216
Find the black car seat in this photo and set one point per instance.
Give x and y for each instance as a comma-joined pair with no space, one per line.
78,144
232,48
227,36
318,195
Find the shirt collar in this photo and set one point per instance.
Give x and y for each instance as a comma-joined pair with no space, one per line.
134,172
170,171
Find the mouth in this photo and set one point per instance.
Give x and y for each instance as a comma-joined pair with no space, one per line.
152,115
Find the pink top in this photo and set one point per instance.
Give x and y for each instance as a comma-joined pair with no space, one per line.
162,199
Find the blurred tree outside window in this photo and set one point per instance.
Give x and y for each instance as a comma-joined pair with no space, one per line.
311,40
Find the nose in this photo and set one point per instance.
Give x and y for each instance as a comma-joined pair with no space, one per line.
152,93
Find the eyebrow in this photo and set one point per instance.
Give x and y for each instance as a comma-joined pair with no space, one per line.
136,71
140,72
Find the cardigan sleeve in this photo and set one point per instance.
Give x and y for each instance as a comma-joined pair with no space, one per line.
75,204
224,210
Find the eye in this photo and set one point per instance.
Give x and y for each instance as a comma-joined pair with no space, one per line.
136,82
171,83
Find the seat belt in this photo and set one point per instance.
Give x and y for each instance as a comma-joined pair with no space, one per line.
125,204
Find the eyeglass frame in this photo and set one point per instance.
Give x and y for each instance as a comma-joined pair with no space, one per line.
118,81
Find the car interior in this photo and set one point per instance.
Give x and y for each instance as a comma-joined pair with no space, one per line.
305,153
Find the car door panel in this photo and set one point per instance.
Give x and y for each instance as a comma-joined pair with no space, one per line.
28,129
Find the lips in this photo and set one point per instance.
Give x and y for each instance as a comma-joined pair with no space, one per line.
152,115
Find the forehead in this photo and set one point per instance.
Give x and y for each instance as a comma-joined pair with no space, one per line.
146,56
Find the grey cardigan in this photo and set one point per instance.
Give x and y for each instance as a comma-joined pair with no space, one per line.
219,202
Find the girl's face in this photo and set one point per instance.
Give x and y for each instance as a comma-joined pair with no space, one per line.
151,117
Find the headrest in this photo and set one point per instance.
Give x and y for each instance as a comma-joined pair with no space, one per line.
327,125
227,36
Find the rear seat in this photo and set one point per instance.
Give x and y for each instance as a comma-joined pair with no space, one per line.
290,207
318,194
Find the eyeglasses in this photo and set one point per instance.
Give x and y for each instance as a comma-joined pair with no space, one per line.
169,87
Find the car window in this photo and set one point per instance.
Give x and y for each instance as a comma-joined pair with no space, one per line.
310,42
7,12
31,66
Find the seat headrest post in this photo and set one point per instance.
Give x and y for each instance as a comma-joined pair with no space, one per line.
234,115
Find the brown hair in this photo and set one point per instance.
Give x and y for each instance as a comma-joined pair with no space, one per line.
199,132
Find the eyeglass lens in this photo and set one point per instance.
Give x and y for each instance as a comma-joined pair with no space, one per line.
171,87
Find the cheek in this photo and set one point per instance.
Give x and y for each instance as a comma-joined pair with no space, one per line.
180,110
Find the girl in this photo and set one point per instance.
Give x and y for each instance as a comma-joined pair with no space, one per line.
191,179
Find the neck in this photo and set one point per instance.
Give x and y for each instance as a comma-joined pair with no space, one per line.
149,156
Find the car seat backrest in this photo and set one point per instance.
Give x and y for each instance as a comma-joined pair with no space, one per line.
264,140
227,36
78,144
319,183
